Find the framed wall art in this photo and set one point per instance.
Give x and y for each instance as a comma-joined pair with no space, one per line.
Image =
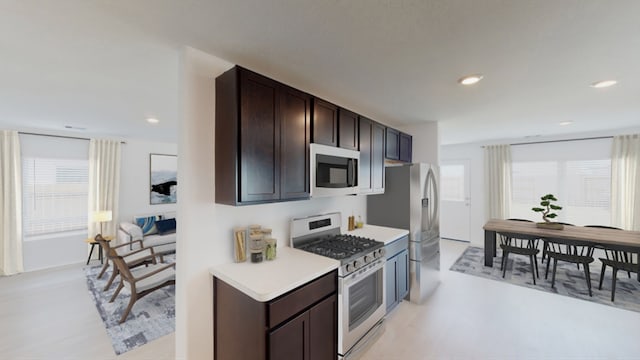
164,179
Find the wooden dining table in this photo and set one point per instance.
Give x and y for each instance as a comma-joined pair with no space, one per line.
598,237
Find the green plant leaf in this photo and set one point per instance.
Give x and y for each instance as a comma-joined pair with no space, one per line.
537,209
552,215
544,203
555,207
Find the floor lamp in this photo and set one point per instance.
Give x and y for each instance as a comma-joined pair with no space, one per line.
102,217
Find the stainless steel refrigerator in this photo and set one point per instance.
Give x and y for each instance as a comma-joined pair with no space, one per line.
411,201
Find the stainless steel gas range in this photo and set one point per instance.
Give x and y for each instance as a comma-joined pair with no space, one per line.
361,281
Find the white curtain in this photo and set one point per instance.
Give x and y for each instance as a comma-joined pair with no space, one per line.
10,204
625,182
104,183
497,180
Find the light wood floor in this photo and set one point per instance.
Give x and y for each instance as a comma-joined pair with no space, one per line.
49,315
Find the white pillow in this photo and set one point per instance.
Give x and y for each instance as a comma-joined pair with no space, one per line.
132,229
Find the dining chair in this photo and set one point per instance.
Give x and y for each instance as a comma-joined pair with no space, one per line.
571,252
618,260
614,254
544,245
138,257
521,245
141,281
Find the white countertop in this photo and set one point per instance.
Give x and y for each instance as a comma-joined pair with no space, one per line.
269,279
379,233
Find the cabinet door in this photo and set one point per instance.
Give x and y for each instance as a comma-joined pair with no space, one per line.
402,266
294,144
365,176
348,129
392,144
377,158
325,123
291,340
405,147
391,291
323,330
259,139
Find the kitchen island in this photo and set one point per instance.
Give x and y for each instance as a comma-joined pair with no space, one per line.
284,308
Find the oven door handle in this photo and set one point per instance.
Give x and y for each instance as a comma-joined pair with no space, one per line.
352,278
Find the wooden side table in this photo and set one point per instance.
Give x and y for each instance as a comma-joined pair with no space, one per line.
93,244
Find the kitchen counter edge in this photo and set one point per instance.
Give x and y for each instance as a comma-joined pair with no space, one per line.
267,280
383,234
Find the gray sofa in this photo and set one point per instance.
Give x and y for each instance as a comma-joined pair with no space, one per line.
157,231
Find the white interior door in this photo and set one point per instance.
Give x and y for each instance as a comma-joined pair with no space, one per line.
455,200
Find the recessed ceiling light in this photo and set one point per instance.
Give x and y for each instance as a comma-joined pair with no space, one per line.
565,123
152,120
603,84
471,79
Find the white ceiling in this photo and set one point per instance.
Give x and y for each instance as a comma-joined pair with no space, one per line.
107,64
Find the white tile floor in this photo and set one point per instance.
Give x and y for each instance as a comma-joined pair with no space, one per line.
49,315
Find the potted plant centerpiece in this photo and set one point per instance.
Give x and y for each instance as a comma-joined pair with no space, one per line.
547,203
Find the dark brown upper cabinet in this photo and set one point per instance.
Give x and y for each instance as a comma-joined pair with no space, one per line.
406,144
392,144
347,129
325,122
294,144
262,139
398,145
371,146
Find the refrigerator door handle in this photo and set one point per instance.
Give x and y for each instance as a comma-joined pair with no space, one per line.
435,202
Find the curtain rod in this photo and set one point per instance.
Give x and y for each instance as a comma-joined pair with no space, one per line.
554,141
60,136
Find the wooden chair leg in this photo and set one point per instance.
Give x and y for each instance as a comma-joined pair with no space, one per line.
614,278
536,262
533,273
553,275
587,276
104,268
113,277
602,276
546,273
133,299
505,257
120,286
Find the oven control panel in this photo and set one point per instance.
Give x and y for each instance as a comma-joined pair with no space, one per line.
360,262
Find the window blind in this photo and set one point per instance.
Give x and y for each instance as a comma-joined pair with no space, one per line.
578,173
55,175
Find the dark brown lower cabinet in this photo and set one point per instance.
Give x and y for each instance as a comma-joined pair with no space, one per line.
307,336
301,324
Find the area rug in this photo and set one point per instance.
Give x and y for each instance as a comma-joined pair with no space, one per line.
151,317
569,280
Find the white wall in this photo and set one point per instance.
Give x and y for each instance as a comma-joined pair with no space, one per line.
205,227
134,178
426,142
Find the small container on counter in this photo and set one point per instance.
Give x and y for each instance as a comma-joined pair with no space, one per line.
270,250
239,244
256,255
351,223
255,230
256,246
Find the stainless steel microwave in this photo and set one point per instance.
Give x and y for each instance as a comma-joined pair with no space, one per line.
334,171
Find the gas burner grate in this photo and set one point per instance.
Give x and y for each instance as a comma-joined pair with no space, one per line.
341,247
